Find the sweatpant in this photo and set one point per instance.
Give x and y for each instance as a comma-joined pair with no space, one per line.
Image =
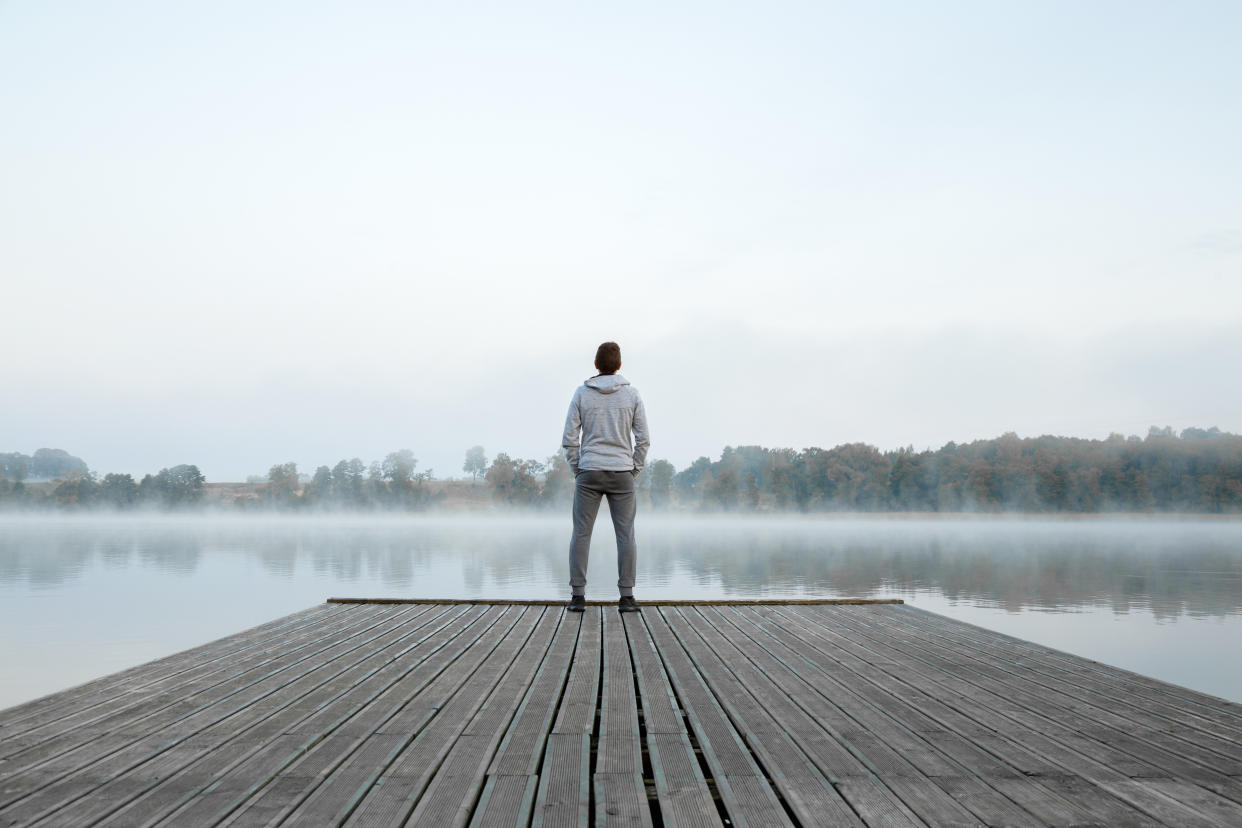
618,487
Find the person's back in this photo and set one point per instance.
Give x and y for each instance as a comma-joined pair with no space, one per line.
608,406
605,442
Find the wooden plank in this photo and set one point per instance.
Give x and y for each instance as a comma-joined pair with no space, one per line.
85,709
1148,739
1220,712
520,752
577,711
178,716
563,799
73,736
255,699
512,782
852,773
807,791
15,720
685,800
684,797
1070,751
395,792
896,754
74,729
862,692
1147,745
1118,717
450,796
564,793
620,794
1139,706
947,724
620,746
337,769
293,730
745,792
621,799
263,727
506,802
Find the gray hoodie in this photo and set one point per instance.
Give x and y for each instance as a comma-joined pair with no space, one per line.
607,411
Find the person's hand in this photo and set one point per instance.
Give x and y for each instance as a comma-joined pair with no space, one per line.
635,472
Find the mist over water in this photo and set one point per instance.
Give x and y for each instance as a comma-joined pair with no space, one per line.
85,595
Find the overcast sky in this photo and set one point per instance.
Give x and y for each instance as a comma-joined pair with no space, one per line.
237,234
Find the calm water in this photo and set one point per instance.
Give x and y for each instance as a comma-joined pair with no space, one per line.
84,596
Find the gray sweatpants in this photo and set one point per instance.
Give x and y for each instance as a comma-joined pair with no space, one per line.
618,487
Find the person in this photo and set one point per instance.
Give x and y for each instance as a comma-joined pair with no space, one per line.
606,443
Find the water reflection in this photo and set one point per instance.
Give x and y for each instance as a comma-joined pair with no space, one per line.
1167,567
85,596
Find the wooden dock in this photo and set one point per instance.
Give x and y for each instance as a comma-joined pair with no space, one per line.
516,714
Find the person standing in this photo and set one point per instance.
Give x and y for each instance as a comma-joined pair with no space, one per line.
606,443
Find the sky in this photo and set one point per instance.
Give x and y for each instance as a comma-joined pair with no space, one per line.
241,234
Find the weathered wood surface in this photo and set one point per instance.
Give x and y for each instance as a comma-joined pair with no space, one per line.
687,714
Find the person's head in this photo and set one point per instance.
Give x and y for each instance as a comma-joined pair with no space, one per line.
608,358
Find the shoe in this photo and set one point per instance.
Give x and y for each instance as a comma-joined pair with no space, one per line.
577,603
628,604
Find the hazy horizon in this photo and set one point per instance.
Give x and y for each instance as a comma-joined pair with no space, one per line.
236,236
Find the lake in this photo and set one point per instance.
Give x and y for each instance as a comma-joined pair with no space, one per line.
85,595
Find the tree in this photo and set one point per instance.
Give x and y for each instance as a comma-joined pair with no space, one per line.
688,478
723,489
320,487
780,475
282,483
476,462
661,472
512,480
706,487
14,466
750,489
399,468
178,486
347,481
78,490
49,464
558,483
118,490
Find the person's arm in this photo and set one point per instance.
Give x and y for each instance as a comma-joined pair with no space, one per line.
642,438
570,440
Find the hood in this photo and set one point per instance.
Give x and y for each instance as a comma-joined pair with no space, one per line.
607,383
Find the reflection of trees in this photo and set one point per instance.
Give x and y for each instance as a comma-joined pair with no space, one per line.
47,552
1167,567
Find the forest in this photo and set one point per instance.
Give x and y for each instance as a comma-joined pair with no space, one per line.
1195,471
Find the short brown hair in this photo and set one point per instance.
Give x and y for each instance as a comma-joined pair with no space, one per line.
608,358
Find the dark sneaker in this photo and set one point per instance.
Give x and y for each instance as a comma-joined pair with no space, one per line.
628,604
577,603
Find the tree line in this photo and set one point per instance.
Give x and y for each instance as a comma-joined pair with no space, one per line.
1196,471
1199,470
391,483
178,486
44,464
